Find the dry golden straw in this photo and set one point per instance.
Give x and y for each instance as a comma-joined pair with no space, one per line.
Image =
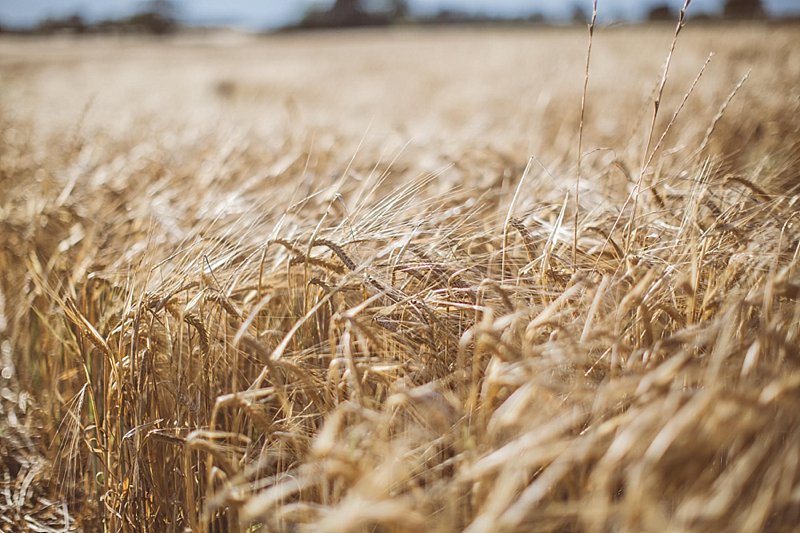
339,297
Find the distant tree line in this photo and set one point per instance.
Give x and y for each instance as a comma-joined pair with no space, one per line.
156,17
732,9
159,17
354,13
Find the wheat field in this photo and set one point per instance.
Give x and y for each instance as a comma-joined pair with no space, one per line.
402,280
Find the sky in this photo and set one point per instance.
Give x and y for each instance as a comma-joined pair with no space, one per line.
260,14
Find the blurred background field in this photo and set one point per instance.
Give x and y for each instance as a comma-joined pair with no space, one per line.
514,90
341,280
